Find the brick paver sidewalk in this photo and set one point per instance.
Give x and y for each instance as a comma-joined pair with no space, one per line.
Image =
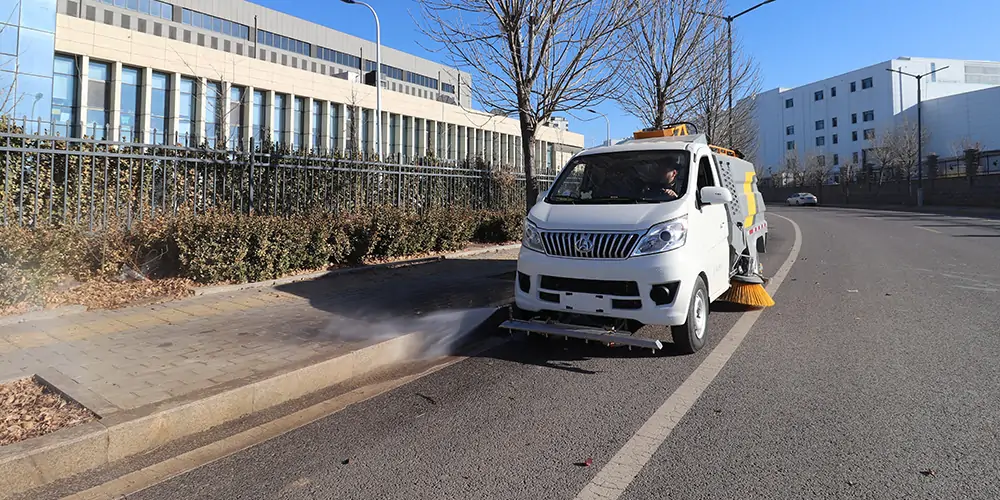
137,356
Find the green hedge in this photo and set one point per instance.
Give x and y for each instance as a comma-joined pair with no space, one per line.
235,248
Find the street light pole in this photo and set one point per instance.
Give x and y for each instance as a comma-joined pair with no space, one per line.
607,122
920,131
729,35
378,78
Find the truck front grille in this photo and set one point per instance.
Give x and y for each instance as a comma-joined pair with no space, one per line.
589,245
595,287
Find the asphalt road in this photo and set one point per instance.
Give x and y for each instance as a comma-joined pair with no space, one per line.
876,375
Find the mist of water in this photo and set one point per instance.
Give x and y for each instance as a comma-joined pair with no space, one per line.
440,332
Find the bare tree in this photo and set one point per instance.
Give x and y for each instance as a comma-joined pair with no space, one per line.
532,58
815,172
666,55
961,145
895,151
710,101
793,169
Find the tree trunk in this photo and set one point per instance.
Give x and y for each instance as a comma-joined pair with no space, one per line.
528,150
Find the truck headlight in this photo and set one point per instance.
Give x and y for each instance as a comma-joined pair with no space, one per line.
663,237
532,238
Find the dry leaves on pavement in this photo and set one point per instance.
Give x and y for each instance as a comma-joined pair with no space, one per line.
29,409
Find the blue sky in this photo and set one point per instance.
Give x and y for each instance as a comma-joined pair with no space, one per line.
794,41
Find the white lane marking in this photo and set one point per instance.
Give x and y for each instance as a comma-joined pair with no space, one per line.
976,288
157,473
928,229
612,480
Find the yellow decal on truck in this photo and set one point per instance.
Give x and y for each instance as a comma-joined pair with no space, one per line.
751,198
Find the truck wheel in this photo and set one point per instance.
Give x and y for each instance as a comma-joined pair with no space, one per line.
690,337
762,244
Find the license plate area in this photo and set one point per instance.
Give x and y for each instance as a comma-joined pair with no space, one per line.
585,302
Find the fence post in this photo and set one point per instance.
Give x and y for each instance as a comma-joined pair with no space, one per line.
250,178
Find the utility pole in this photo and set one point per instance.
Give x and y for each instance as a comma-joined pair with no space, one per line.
378,78
920,132
729,34
607,122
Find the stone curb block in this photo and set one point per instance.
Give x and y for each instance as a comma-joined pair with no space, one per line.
212,290
42,460
56,312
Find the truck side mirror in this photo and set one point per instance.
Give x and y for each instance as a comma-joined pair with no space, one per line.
712,195
541,195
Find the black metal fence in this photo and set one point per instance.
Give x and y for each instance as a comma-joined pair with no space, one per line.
49,179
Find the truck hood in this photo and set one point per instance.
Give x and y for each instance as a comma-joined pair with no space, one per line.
625,217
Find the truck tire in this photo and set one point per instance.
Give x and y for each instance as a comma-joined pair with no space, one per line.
690,337
762,244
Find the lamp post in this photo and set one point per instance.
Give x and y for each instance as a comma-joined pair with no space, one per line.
729,35
606,122
378,78
920,132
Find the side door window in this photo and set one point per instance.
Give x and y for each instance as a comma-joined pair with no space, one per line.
706,177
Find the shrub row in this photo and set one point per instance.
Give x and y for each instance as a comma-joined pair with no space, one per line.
235,248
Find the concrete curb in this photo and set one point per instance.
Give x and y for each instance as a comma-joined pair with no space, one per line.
217,289
39,461
56,312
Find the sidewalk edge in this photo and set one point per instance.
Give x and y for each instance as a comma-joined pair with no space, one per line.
37,462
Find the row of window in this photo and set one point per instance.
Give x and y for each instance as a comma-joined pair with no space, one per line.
869,134
284,43
406,76
96,109
216,24
867,116
155,8
866,83
336,56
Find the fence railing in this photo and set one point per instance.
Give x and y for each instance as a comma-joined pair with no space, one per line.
58,180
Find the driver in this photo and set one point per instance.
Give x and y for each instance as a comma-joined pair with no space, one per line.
666,184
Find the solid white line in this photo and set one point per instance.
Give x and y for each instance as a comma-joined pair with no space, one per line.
612,480
976,288
928,229
157,473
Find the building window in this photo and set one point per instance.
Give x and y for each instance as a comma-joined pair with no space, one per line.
98,93
854,86
869,134
280,120
866,83
854,157
448,88
213,113
821,160
284,43
854,135
833,122
216,24
835,141
869,115
820,125
790,130
236,96
366,118
159,106
64,96
818,95
154,8
188,105
833,91
299,124
836,159
789,103
129,103
317,120
337,57
334,127
790,145
821,141
259,117
854,118
933,70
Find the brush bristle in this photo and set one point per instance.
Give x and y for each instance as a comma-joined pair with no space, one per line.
747,294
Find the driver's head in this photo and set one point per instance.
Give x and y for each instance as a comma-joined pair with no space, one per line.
669,173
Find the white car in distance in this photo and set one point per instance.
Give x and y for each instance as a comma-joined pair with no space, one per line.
802,199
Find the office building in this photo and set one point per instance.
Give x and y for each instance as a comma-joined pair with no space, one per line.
834,120
230,72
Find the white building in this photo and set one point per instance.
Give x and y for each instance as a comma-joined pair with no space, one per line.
831,118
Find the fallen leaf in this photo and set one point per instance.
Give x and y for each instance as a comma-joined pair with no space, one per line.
586,463
928,472
345,461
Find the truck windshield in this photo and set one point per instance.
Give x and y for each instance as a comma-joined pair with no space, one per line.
623,177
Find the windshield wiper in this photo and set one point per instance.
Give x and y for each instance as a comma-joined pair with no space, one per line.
614,199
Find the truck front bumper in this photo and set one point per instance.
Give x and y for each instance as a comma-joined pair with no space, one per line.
652,289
